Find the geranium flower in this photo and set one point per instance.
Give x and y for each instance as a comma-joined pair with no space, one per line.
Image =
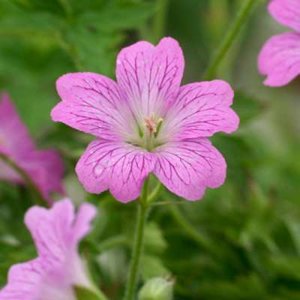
279,58
146,123
58,267
43,167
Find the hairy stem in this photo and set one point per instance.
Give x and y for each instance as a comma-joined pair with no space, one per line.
138,244
241,18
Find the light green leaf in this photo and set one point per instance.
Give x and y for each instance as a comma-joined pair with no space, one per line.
83,293
152,266
157,289
154,239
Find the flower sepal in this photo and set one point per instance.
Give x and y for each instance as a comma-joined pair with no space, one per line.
83,293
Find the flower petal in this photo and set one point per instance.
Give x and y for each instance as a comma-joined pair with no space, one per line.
150,75
200,110
279,59
56,232
12,130
186,168
46,170
119,167
23,280
90,103
286,12
8,174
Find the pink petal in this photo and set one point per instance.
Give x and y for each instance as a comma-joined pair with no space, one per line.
8,174
57,233
12,131
119,167
46,169
150,75
286,12
279,59
200,110
82,226
91,103
23,282
186,168
59,229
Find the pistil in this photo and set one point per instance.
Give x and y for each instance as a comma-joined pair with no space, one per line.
152,127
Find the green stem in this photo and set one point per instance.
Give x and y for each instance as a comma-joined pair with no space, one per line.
188,227
160,19
138,243
153,195
26,178
230,37
167,203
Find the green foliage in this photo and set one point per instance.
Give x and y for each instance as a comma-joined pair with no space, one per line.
87,294
245,241
40,40
247,107
157,289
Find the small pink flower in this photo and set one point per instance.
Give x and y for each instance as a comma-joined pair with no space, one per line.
146,123
44,167
58,267
279,58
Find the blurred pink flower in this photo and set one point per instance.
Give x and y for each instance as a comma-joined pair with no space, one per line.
279,58
58,267
146,123
44,167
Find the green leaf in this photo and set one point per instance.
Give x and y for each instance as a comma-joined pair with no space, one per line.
119,15
152,266
154,239
247,107
53,6
91,49
157,289
83,293
285,266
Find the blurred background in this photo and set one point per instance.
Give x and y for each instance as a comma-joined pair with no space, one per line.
241,241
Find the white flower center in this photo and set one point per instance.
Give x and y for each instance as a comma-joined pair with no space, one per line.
148,133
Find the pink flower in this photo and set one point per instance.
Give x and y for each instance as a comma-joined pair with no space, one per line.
279,58
58,267
146,123
44,167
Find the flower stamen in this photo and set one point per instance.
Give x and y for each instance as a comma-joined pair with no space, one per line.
153,125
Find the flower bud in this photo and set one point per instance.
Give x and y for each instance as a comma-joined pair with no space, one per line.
157,289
